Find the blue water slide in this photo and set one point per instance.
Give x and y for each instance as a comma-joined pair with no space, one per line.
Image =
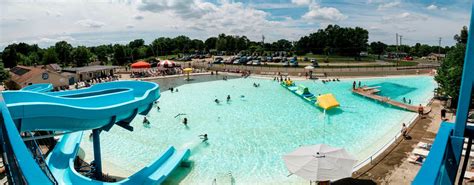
98,107
101,105
43,87
61,164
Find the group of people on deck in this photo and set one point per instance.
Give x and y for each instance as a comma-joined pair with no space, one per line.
354,85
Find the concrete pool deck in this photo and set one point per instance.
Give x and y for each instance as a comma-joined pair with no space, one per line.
392,167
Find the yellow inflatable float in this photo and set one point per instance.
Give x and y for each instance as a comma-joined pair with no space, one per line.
327,101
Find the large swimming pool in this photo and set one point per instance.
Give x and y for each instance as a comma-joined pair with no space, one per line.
248,136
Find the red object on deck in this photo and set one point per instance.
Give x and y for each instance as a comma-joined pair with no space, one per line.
166,64
140,65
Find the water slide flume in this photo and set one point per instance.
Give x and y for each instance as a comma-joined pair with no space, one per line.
38,87
325,101
61,164
99,106
96,108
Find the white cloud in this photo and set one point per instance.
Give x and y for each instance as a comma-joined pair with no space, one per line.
432,7
90,23
138,17
53,13
388,5
301,2
318,13
404,17
182,8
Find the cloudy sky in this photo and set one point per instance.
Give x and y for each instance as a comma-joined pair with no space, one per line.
95,22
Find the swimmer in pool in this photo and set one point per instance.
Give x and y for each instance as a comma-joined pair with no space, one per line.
203,137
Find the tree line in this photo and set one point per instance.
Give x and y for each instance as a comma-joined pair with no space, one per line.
333,40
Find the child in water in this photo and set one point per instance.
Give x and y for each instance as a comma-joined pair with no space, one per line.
185,121
203,137
146,123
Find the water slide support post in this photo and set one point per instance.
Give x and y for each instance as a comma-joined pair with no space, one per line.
97,158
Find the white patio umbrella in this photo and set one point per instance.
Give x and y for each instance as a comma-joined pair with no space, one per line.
320,163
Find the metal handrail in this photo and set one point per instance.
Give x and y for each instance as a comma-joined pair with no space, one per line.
384,146
41,159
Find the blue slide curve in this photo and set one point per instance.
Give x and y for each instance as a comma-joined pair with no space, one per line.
39,88
98,107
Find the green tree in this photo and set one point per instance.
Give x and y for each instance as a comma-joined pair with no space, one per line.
462,37
136,43
221,43
450,72
120,57
81,56
4,75
10,57
50,56
63,49
378,48
210,43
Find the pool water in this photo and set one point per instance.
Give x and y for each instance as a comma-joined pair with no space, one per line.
248,136
394,90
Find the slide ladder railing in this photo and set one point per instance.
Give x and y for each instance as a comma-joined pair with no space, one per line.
39,157
12,170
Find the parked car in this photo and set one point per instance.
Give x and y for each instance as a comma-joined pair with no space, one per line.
286,64
269,59
294,64
249,63
218,61
408,58
243,60
314,63
256,62
277,59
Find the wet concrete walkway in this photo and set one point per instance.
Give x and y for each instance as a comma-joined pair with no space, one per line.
392,167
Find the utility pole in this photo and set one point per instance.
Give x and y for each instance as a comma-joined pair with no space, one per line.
439,46
396,40
401,36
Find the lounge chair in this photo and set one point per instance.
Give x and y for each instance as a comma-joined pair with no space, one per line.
420,152
423,145
413,159
468,174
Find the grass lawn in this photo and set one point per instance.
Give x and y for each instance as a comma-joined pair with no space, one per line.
337,58
168,56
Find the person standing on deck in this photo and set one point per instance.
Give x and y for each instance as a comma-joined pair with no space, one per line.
354,85
420,110
404,131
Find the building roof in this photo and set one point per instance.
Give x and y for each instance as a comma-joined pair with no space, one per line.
437,55
21,74
86,69
55,67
